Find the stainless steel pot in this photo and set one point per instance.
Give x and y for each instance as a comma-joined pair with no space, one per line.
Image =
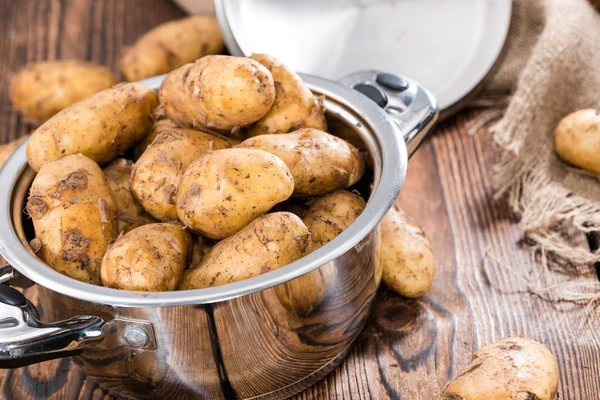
231,341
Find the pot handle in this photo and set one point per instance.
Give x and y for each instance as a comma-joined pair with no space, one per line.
410,105
25,340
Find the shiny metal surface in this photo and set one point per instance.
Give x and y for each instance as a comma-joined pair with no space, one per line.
239,340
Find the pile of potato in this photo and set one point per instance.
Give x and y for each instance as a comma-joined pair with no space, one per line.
192,173
193,210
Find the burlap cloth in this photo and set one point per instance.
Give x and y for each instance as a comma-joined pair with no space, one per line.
550,67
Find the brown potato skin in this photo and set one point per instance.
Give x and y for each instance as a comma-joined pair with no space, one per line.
320,163
40,90
159,127
331,214
200,247
577,139
100,127
150,258
267,243
74,215
407,255
220,93
130,214
326,218
511,368
295,106
157,173
171,45
223,191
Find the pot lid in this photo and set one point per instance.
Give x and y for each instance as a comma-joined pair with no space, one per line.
449,46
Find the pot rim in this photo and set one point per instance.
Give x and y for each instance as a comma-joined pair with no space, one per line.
389,164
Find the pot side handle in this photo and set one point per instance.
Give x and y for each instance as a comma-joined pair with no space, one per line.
408,103
25,340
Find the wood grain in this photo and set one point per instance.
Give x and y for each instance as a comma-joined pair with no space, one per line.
410,348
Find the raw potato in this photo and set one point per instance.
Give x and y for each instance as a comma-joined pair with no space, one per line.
130,214
8,148
509,369
330,215
150,258
200,247
74,215
325,219
577,139
157,173
100,127
221,192
407,255
222,93
267,243
159,127
320,163
42,89
171,45
295,106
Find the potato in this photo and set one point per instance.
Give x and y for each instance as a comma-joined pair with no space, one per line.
511,368
100,127
8,148
74,216
200,247
42,89
407,255
221,192
130,214
158,127
171,45
320,163
157,173
330,215
222,93
295,106
267,243
326,218
577,139
150,258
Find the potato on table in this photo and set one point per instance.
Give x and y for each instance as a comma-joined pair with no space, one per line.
407,255
130,214
511,368
74,216
221,93
171,45
42,89
267,243
149,258
319,162
295,106
157,173
221,192
100,127
326,218
577,139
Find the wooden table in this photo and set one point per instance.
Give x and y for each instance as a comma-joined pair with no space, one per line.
410,348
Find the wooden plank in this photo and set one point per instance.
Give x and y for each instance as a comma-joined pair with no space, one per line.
410,347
